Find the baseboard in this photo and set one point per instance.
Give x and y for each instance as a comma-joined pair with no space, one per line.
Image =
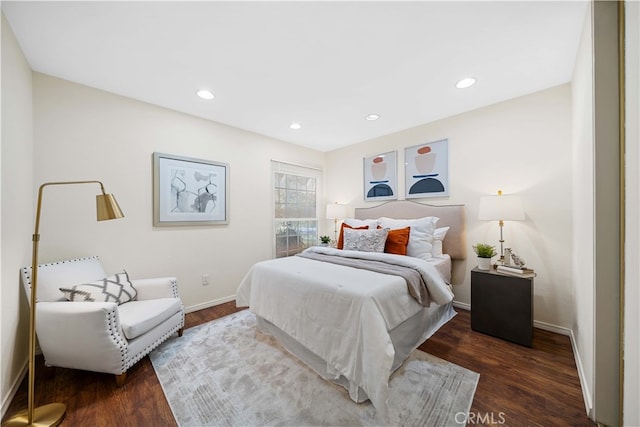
552,328
462,305
536,323
209,304
586,395
6,401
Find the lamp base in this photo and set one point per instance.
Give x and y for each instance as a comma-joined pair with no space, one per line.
46,415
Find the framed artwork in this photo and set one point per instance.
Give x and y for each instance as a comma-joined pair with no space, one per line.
426,170
381,177
189,191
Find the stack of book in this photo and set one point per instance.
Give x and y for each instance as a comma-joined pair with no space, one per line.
514,270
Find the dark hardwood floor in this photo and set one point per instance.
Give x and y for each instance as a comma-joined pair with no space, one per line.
518,386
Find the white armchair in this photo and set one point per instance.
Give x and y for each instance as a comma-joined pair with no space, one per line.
101,336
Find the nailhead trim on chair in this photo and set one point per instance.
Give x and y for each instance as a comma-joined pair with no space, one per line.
174,288
133,359
136,357
27,270
114,332
129,360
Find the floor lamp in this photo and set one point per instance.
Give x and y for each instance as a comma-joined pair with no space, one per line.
501,208
52,414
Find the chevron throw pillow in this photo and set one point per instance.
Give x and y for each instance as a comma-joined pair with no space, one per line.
116,288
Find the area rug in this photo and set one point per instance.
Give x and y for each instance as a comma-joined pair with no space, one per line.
226,373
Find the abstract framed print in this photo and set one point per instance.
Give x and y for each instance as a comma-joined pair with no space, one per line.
381,176
188,191
426,170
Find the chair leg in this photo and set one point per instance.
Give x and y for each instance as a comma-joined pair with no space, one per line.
121,379
180,331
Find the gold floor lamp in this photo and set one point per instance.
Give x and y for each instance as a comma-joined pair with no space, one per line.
52,414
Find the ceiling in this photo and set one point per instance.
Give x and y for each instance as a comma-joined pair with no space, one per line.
325,65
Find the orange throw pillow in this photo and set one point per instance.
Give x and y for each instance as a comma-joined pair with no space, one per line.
341,237
397,241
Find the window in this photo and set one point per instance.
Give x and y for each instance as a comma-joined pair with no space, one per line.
295,208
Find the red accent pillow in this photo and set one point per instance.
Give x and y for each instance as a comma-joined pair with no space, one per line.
397,241
341,237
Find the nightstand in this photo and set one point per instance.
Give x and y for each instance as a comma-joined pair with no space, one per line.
502,305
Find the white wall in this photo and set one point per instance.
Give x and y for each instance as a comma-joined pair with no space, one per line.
520,146
15,210
83,133
632,293
583,218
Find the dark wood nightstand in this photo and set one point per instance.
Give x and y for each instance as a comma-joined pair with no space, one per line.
502,305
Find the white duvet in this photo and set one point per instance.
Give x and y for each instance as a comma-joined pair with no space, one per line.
342,314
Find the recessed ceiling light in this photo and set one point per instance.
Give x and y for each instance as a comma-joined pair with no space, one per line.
372,117
205,94
465,83
295,126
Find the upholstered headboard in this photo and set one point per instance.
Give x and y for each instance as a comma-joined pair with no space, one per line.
453,216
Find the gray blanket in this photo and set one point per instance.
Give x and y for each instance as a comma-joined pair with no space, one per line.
415,282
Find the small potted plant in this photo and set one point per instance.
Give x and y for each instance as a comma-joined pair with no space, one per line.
485,252
325,240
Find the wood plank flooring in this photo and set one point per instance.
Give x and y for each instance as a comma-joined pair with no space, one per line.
518,386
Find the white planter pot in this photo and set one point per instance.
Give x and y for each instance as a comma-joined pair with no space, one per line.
484,263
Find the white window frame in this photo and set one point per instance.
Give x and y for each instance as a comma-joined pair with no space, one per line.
299,170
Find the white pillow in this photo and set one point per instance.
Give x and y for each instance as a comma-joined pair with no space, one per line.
372,223
421,235
438,236
365,240
116,288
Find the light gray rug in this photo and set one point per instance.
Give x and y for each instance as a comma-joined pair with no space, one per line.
225,373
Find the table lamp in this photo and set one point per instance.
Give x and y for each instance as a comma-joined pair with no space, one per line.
501,208
336,211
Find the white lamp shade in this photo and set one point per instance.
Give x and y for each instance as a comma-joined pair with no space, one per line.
501,207
335,211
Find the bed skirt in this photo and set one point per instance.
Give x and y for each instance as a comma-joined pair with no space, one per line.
405,338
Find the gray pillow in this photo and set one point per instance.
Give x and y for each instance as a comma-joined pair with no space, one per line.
116,288
365,240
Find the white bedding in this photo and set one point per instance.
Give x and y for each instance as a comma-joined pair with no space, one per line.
443,264
341,314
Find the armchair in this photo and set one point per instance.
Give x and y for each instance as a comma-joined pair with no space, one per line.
101,336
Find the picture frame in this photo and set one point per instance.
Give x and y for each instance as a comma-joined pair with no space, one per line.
189,191
426,170
380,176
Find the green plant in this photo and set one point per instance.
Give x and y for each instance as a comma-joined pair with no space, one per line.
325,239
484,250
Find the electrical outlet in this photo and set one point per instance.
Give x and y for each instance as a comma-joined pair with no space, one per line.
205,280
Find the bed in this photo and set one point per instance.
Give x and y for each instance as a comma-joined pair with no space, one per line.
355,325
